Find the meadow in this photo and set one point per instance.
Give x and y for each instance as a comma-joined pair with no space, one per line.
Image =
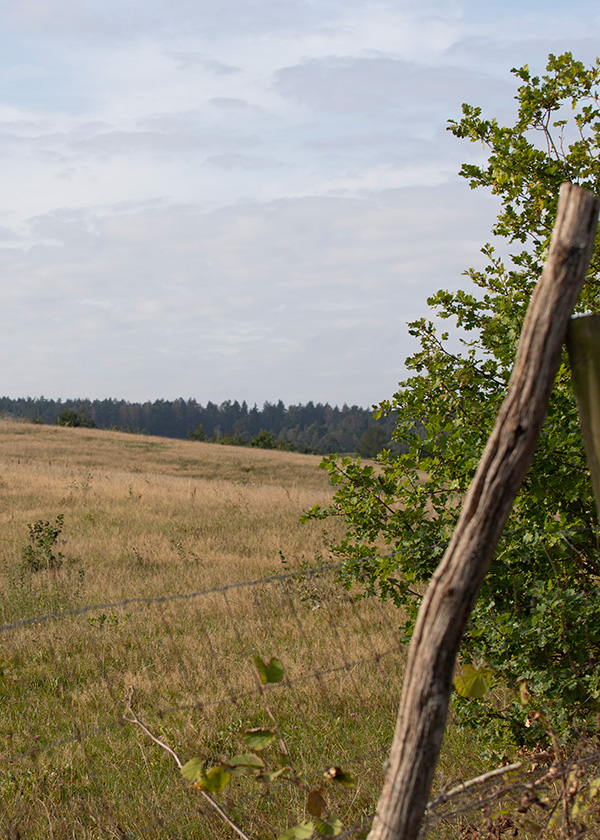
171,568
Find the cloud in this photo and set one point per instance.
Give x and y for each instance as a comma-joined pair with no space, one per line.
247,198
75,19
193,61
110,143
247,162
309,286
373,87
126,20
228,103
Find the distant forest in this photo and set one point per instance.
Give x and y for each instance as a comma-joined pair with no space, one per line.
305,428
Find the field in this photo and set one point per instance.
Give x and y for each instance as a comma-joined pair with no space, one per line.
166,577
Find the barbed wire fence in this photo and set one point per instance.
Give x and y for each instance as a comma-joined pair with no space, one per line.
71,766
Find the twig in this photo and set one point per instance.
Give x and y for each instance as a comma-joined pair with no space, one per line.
479,780
135,720
557,772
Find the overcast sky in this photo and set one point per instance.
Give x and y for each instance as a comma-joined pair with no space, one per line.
244,199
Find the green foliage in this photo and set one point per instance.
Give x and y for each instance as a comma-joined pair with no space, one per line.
213,781
258,738
43,537
227,439
471,682
264,440
303,831
197,434
266,768
311,428
538,615
269,673
372,442
70,417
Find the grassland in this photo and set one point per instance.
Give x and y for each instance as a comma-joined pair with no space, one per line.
156,535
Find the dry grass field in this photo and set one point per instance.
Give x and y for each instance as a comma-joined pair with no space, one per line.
155,535
145,516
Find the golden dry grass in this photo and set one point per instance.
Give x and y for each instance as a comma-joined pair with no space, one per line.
148,515
151,518
148,522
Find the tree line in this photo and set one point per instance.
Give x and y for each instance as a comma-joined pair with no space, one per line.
313,427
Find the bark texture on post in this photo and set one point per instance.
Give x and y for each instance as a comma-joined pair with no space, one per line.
583,343
455,584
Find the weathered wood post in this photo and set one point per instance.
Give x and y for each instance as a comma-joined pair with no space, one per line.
455,584
583,343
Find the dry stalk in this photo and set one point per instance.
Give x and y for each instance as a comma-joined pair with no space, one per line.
133,718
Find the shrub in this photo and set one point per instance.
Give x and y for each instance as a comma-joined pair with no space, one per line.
537,617
43,538
70,417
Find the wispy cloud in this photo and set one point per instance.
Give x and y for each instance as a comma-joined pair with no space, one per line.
238,199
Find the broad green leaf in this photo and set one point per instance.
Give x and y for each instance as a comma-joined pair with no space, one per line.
258,739
269,673
261,668
316,803
244,763
274,671
194,769
330,828
471,682
304,831
215,780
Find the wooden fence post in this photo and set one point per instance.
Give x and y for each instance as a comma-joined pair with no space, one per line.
583,343
455,584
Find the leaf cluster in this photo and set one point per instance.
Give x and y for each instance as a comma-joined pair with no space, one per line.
268,760
41,553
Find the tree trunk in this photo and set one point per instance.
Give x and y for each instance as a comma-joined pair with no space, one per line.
455,584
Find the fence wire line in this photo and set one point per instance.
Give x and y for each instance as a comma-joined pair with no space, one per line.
161,599
316,674
270,600
231,693
299,575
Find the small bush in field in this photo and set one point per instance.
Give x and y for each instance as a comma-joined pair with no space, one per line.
43,537
70,417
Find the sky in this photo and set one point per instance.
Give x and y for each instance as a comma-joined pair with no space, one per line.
244,199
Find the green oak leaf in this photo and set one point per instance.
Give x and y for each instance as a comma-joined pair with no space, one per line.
194,769
244,763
